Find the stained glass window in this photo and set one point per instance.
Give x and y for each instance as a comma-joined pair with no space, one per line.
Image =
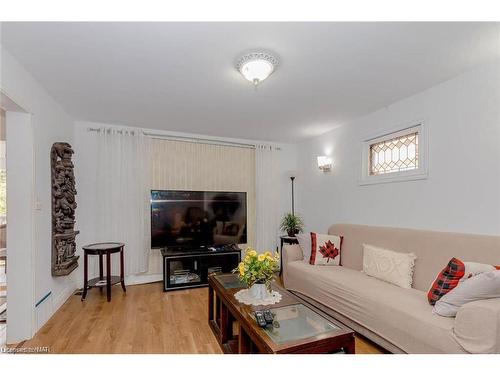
394,155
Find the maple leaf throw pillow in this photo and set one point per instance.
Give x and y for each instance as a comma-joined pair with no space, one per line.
325,249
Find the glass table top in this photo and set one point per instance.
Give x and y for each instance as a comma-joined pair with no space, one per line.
297,322
230,281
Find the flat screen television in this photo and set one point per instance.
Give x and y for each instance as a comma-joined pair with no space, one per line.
194,219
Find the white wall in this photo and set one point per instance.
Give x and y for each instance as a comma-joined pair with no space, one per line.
462,191
50,124
85,159
20,296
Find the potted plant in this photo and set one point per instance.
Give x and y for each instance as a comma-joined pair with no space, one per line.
257,271
292,224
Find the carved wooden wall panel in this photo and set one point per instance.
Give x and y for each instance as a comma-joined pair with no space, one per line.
64,260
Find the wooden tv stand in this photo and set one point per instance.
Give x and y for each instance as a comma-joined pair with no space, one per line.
183,269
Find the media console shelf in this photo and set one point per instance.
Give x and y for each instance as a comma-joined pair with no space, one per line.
190,269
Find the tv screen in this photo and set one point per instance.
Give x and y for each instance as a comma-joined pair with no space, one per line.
191,219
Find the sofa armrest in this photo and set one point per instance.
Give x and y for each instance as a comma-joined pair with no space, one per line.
291,253
477,326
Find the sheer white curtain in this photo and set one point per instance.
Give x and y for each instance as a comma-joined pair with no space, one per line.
266,196
123,177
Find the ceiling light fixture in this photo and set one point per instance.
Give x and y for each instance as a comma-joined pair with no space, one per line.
256,66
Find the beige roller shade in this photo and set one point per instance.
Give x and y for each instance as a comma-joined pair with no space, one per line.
179,165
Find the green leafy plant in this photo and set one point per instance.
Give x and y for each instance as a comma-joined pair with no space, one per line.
292,224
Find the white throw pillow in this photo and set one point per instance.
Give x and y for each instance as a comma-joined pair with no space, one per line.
391,266
483,286
305,244
473,269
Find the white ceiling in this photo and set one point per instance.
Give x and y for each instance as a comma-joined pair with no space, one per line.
181,76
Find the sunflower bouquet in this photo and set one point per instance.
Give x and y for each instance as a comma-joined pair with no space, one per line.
258,268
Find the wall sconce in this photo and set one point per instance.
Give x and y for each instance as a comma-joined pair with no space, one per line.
325,163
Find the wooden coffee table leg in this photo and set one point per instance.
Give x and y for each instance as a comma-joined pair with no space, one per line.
350,348
244,341
218,304
224,323
210,303
230,323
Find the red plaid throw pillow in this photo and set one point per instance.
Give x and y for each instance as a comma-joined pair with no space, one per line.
447,279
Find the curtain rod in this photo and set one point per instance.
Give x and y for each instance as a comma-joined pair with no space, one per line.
199,140
194,140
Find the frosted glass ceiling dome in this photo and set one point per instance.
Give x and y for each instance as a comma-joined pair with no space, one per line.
256,66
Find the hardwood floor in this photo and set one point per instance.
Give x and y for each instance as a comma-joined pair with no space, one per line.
144,320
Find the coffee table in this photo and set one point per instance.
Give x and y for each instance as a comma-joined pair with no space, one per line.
298,327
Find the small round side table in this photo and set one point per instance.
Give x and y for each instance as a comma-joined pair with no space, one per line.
101,249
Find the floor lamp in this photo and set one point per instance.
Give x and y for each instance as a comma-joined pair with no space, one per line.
292,175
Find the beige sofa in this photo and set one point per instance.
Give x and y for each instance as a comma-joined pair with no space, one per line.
400,320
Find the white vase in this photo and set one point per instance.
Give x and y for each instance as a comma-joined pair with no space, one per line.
259,291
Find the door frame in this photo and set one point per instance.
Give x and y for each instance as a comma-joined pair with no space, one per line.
20,220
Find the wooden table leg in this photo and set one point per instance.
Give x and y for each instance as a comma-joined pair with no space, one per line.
244,342
218,304
122,271
350,348
108,276
210,303
85,276
224,324
101,270
230,322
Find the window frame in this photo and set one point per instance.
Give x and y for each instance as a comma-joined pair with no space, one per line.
414,174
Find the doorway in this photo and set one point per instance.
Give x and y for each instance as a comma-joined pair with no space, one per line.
3,230
16,211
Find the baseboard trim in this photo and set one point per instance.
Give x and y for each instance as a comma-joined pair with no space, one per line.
62,297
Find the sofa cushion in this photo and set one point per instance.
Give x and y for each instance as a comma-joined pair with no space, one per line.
473,269
483,286
325,249
446,280
402,316
433,249
391,266
477,326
